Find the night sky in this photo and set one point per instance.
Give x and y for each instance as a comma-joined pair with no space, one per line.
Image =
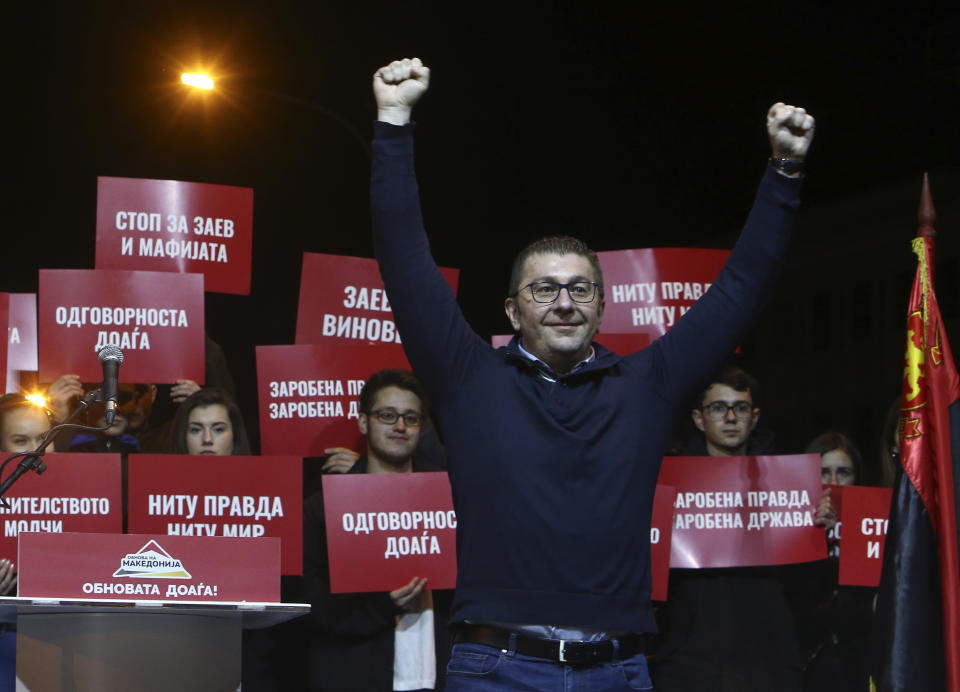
629,124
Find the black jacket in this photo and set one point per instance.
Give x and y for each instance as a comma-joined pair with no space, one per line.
350,636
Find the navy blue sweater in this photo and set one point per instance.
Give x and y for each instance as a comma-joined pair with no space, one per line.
553,482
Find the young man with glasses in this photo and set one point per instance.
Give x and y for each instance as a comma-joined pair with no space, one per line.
554,443
730,628
352,637
727,415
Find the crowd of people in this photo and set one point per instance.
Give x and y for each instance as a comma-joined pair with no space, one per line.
783,628
553,445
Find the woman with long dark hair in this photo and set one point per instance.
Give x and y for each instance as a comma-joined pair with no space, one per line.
209,422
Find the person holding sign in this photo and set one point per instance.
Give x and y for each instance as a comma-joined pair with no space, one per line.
209,422
836,624
132,430
554,443
123,436
727,626
840,458
374,641
23,425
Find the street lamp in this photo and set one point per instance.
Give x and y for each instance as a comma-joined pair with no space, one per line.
200,81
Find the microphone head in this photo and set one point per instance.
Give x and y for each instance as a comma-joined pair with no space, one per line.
110,354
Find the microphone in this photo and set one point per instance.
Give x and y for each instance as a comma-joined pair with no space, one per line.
110,358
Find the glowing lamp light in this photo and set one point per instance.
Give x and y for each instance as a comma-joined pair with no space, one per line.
36,399
199,81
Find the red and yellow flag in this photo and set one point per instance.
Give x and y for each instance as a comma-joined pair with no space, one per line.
918,607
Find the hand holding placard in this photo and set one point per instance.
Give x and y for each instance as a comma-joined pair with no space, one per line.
410,597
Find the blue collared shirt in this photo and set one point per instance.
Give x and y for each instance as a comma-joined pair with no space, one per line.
546,372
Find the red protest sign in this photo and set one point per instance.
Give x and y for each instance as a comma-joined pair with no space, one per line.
149,567
309,394
863,531
175,226
342,299
234,496
744,511
5,319
156,318
21,337
384,529
77,492
648,290
660,532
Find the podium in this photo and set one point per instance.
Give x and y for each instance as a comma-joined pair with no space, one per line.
140,612
163,607
77,645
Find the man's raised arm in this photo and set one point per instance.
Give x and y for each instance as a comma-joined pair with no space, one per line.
436,337
710,331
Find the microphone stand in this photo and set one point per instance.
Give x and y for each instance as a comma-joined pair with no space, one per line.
32,461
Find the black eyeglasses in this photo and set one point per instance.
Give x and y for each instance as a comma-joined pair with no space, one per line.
389,416
717,410
549,291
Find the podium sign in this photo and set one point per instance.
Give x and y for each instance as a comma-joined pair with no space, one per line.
77,493
384,529
234,496
149,567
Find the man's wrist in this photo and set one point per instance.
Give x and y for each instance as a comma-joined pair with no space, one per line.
394,115
790,167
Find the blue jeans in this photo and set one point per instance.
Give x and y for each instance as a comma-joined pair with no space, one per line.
478,668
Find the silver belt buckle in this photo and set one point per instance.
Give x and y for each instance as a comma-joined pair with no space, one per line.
563,657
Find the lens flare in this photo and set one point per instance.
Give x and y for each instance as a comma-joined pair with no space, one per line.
37,400
199,81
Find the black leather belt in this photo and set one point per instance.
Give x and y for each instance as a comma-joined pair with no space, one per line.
560,650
